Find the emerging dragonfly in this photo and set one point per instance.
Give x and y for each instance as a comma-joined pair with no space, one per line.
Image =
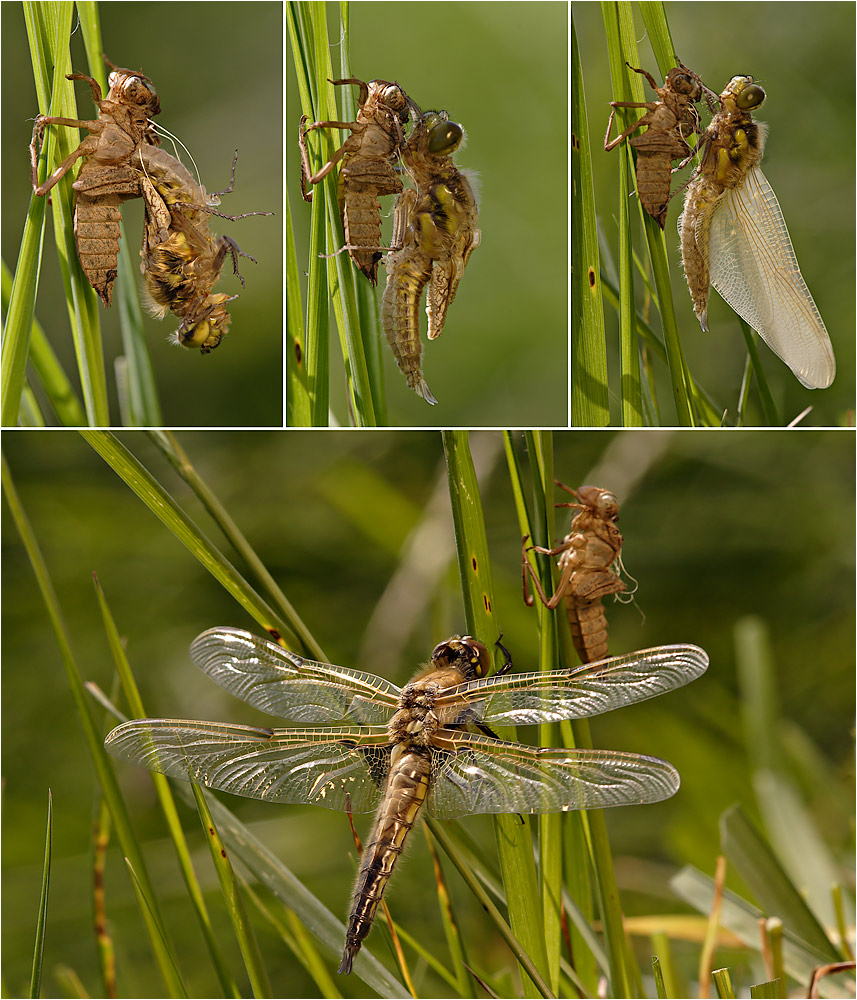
734,237
396,749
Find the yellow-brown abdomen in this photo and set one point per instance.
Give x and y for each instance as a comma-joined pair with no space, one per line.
407,786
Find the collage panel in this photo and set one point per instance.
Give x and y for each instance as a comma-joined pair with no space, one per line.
273,556
467,194
213,81
686,118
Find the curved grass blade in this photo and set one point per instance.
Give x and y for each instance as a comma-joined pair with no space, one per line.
183,527
106,777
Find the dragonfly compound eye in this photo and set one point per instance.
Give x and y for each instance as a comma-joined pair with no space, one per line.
750,97
445,138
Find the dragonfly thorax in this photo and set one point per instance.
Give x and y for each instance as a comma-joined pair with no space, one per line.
415,721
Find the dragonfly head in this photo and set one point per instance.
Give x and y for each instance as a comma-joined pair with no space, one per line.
444,136
463,653
742,94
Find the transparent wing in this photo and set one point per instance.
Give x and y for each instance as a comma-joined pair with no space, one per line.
753,266
595,688
338,768
284,684
472,773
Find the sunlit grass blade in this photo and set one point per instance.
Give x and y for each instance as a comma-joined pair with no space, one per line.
165,798
723,984
41,921
757,864
106,777
514,839
771,990
188,533
590,406
742,919
234,903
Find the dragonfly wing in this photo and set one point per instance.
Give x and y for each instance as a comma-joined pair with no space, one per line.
753,266
284,684
472,773
595,688
339,768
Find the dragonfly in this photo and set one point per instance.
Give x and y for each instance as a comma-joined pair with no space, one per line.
396,750
734,237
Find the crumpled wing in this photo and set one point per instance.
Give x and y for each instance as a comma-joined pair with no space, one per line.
752,265
595,688
338,768
472,773
284,684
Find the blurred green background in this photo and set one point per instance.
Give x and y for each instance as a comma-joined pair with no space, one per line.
218,72
356,529
503,357
803,55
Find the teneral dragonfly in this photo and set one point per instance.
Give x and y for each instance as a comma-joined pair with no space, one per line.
734,237
396,750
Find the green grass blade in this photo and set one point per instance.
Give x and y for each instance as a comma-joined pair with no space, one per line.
513,837
723,983
163,952
234,904
766,397
144,407
81,299
519,948
39,948
766,991
590,405
165,798
188,533
176,455
622,49
46,366
92,735
298,405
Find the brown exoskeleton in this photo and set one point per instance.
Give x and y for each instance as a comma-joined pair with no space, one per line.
368,166
181,259
108,175
669,121
435,230
587,573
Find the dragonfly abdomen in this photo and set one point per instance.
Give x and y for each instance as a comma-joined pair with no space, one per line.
407,786
409,271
